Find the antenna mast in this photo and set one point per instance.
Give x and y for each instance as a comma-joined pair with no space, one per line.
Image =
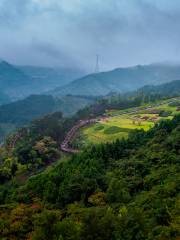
97,64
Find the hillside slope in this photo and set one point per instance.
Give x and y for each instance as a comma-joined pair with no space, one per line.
119,80
23,111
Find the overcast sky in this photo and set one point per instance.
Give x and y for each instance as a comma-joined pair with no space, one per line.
72,32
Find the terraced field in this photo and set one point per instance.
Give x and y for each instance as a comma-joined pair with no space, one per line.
118,123
112,128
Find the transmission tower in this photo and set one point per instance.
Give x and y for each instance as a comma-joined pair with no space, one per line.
97,64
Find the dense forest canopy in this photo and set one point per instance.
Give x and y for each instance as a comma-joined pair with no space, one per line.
128,189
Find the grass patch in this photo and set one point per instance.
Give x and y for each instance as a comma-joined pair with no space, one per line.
115,129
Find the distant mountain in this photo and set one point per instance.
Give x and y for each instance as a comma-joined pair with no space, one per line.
17,82
4,98
13,82
120,80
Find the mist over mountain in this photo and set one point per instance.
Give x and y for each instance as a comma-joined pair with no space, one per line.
17,82
120,80
47,77
4,98
13,82
34,106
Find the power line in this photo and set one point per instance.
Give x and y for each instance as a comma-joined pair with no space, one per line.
97,64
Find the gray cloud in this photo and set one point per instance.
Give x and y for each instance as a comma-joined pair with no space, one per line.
72,32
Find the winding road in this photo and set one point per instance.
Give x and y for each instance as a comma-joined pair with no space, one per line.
70,135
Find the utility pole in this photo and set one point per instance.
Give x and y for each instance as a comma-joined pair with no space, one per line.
97,64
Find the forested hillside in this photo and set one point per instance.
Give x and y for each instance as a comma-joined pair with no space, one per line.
128,189
23,111
20,113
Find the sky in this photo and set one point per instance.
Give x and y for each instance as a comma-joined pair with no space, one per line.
72,32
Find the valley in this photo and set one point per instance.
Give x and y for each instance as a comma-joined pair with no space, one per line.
89,120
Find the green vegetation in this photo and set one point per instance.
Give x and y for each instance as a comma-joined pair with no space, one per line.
169,89
125,190
31,149
115,129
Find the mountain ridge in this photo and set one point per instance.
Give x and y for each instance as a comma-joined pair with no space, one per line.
120,80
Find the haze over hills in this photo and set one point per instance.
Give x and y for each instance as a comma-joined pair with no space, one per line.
22,112
13,82
4,98
47,77
17,82
34,106
120,80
